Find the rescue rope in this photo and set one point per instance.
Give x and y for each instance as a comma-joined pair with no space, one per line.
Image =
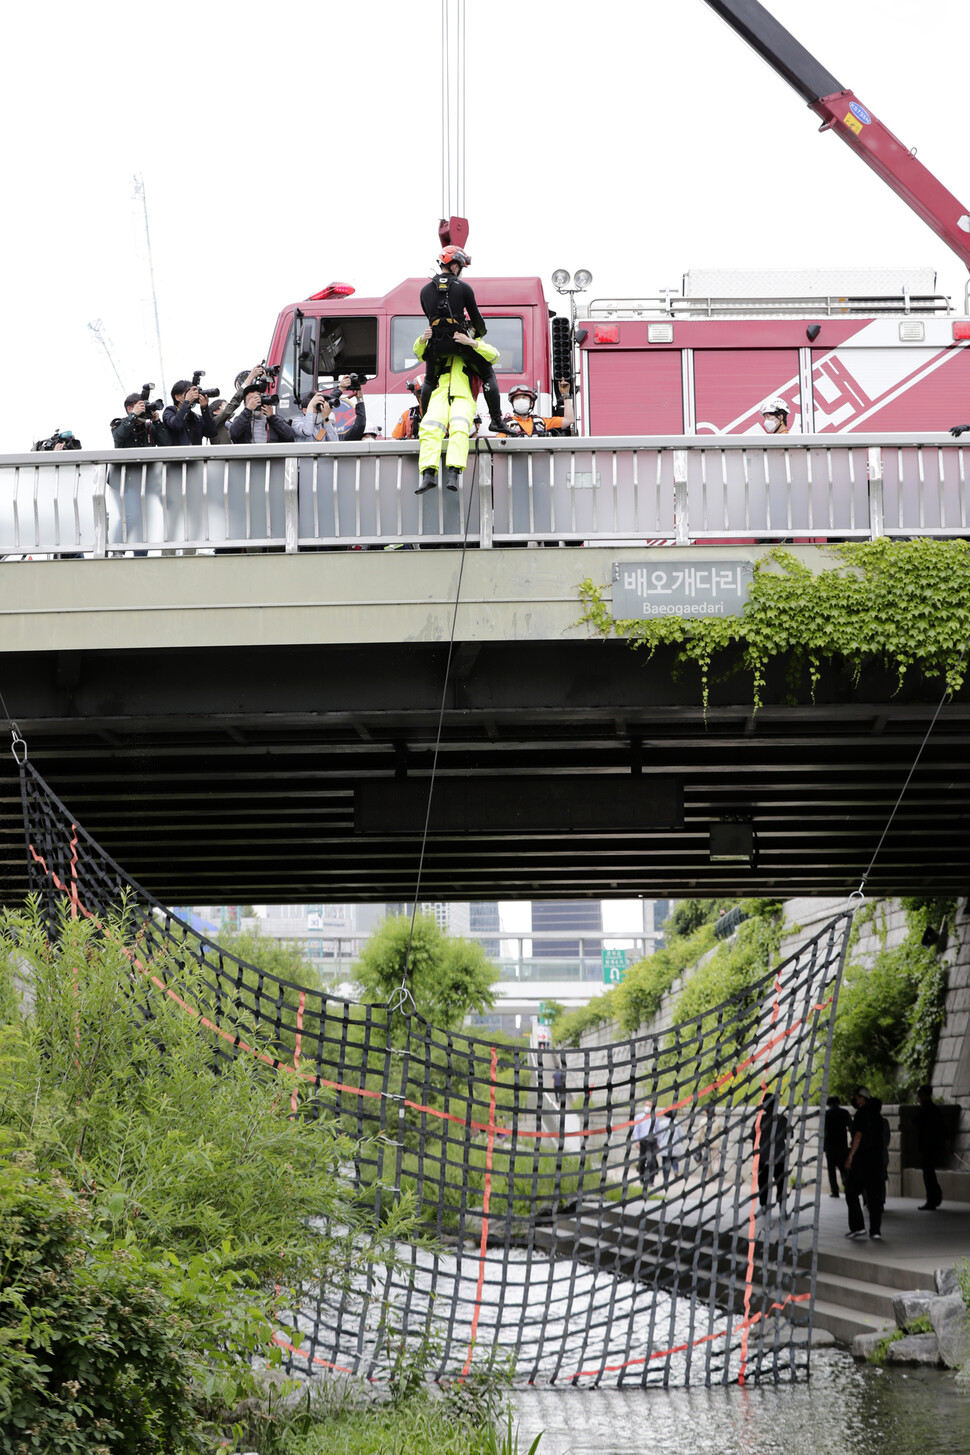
859,894
404,995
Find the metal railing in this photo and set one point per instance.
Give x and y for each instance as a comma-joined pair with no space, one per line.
672,490
676,305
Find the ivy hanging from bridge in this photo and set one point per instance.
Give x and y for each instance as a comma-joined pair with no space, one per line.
902,603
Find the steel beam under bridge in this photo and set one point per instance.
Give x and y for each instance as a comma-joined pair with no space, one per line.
212,721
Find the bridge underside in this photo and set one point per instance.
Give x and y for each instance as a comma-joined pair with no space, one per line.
242,763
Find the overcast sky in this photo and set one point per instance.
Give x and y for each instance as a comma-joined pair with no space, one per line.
283,147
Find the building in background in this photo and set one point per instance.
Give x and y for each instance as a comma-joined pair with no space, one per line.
483,919
583,916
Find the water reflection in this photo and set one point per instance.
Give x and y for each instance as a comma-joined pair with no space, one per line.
846,1409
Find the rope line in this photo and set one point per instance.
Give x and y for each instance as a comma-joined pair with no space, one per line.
860,892
404,992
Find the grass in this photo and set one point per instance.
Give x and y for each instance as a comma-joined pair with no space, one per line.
424,1425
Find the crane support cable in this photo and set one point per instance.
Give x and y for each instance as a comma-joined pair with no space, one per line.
453,108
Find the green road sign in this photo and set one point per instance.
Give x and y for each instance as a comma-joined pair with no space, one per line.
614,966
545,1014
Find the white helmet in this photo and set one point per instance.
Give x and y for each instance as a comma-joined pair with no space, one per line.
775,406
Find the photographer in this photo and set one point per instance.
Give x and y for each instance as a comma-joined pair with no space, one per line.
183,424
140,426
224,412
315,423
61,439
350,426
257,424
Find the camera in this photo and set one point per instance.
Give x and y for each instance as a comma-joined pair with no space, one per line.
62,437
270,370
334,397
210,393
357,381
152,406
268,399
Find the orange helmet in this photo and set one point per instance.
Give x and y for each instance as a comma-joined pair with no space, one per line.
416,384
454,254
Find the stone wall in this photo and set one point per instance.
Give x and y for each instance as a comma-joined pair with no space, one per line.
888,926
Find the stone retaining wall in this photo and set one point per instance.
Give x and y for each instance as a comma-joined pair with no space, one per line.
888,927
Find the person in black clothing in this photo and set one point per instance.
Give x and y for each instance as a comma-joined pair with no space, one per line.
835,1139
183,424
139,427
257,424
863,1168
450,307
772,1150
930,1144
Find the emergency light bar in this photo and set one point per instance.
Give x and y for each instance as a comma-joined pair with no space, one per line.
333,290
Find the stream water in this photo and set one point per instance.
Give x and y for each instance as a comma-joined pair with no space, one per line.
844,1409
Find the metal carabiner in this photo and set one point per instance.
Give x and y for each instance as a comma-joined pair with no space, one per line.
16,741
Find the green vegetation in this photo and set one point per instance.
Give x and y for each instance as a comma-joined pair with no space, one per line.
159,1203
891,1010
448,978
736,964
903,603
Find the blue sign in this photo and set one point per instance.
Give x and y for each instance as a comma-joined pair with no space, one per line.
860,112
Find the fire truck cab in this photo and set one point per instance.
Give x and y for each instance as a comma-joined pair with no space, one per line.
337,333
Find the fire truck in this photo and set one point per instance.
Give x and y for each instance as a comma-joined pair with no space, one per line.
847,350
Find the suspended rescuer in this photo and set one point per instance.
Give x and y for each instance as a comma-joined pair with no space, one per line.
450,411
522,421
450,308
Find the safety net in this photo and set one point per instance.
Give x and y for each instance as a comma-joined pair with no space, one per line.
643,1212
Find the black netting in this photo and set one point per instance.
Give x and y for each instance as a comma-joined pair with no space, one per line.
641,1213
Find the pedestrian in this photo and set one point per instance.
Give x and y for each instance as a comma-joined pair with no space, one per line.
887,1134
674,1148
863,1168
770,1138
559,1082
931,1145
835,1139
645,1136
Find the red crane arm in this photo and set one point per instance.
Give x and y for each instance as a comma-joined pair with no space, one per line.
844,114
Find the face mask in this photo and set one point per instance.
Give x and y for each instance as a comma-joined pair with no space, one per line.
521,404
771,423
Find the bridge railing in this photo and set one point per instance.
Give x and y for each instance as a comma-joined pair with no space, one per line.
667,490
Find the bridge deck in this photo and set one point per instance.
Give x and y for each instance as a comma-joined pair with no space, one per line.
211,721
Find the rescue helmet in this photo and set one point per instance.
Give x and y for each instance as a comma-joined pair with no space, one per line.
775,406
523,389
452,254
415,385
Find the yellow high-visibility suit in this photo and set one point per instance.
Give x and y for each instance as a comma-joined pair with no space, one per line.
451,409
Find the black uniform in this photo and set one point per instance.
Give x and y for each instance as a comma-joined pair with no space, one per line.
450,307
836,1142
865,1174
929,1139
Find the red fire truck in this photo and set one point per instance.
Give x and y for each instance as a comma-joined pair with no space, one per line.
849,351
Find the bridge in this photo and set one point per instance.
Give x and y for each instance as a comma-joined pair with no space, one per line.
251,711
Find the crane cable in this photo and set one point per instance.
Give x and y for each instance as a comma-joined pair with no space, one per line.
453,108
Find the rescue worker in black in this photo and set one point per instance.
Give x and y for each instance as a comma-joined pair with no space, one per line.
450,307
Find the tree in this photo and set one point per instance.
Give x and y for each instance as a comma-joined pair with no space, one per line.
448,978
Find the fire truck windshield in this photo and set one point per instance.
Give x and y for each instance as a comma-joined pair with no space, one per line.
504,333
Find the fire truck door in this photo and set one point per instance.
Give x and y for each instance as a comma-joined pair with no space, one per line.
730,386
634,391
